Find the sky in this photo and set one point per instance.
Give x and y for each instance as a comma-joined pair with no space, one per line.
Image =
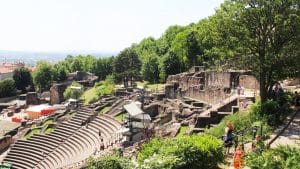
92,25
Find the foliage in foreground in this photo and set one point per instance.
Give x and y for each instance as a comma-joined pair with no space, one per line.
110,162
240,120
278,158
193,152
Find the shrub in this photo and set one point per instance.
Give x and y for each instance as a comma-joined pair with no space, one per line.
240,120
110,162
106,87
278,158
161,162
73,93
271,111
193,152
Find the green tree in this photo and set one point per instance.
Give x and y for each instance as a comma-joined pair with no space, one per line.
75,65
43,75
146,47
193,49
74,91
7,87
103,67
265,38
179,47
170,66
22,78
59,73
150,70
127,66
164,43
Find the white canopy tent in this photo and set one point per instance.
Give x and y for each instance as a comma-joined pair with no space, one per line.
135,112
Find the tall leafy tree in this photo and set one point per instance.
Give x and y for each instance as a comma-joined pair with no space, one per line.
265,37
7,87
146,47
127,66
179,47
43,76
103,67
150,69
22,78
170,66
59,73
164,43
76,65
193,49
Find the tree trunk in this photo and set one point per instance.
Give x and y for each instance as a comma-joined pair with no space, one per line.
263,89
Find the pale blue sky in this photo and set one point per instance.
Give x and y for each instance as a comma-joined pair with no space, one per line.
92,25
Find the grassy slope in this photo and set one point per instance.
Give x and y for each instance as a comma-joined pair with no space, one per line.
89,95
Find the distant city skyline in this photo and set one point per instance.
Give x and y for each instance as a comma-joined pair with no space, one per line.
92,25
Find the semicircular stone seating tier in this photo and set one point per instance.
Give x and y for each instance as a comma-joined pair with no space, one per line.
69,143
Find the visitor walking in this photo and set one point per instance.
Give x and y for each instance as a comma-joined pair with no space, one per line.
238,157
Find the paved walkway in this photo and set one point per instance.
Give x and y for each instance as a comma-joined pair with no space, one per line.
291,136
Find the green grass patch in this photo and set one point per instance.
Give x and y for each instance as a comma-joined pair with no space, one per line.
157,86
49,121
89,95
182,130
120,116
105,109
31,133
48,130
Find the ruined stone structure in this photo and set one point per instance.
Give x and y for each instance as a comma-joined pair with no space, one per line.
249,82
208,86
57,89
84,78
57,93
32,98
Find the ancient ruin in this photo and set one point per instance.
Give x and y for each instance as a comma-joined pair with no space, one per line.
197,99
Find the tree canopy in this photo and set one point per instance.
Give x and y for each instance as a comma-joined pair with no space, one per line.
22,78
7,87
43,76
264,36
127,66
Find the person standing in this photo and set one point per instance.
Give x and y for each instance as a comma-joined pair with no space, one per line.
228,138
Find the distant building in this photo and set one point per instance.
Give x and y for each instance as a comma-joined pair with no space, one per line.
7,69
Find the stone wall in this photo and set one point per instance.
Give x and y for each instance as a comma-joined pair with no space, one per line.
249,82
218,79
208,86
210,95
57,93
151,109
32,98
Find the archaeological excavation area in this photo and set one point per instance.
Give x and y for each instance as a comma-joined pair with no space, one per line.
190,102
